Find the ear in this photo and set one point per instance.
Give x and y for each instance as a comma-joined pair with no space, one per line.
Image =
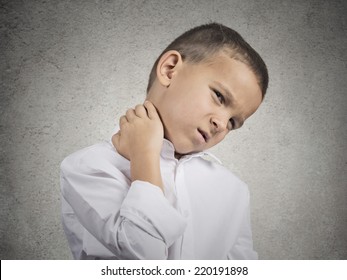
169,63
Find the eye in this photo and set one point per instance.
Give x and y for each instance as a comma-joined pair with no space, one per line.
219,96
231,124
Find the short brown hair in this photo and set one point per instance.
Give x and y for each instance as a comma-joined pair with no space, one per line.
202,42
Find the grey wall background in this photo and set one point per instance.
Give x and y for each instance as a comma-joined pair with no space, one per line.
69,69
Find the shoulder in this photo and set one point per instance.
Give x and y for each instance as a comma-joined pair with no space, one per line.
220,177
206,165
100,156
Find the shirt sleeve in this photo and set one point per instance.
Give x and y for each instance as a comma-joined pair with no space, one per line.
133,223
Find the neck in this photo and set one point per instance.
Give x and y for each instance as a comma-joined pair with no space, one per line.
177,155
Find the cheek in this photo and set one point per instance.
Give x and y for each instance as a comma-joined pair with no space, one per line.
188,106
183,109
219,139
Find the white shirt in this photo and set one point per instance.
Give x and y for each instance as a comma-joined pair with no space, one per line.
204,213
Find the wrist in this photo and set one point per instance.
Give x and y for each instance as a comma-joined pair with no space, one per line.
146,167
145,156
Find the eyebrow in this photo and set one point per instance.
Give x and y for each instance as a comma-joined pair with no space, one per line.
240,121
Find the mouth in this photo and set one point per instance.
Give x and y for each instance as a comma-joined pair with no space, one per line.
204,135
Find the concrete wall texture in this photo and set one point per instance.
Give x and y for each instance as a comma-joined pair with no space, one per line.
69,69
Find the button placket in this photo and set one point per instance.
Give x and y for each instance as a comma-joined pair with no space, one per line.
187,247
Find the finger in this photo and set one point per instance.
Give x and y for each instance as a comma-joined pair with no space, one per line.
130,114
115,139
140,111
122,120
151,110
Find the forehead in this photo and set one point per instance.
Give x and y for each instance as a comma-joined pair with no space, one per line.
230,69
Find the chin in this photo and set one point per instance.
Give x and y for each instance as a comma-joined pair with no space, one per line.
180,146
184,150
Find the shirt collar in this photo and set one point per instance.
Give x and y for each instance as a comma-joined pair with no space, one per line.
168,150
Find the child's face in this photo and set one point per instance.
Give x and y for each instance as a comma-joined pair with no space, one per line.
196,109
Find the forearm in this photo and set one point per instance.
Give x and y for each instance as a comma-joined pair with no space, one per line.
136,243
132,226
146,167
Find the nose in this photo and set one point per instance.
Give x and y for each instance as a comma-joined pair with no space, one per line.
218,124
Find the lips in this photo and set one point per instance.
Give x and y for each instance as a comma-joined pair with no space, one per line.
204,135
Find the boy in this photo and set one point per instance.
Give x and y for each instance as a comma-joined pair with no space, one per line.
147,193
